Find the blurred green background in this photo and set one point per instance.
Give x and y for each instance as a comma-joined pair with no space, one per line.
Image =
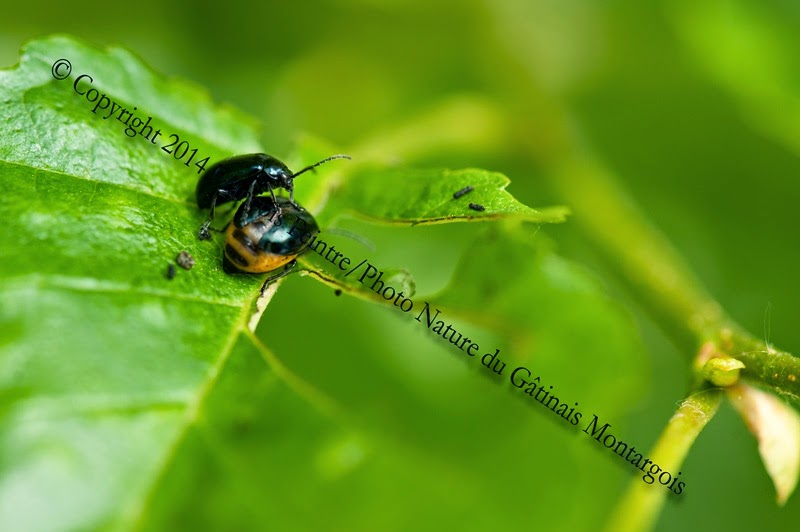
695,107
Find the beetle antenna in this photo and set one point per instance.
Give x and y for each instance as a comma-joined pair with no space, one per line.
323,161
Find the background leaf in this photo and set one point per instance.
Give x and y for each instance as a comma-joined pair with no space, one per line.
414,196
776,426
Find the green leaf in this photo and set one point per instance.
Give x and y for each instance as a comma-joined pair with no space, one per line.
416,196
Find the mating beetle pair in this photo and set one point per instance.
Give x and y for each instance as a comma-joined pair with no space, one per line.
263,235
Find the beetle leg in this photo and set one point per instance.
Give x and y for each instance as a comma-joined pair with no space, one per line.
246,210
203,234
291,197
273,278
272,193
275,201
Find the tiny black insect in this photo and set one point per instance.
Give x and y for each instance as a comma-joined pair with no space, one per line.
477,207
185,260
465,190
170,272
244,177
337,292
270,235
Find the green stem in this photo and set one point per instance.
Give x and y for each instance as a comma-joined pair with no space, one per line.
642,503
763,365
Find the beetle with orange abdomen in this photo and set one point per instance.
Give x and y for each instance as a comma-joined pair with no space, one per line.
270,234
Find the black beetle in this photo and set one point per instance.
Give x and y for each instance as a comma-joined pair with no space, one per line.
246,176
